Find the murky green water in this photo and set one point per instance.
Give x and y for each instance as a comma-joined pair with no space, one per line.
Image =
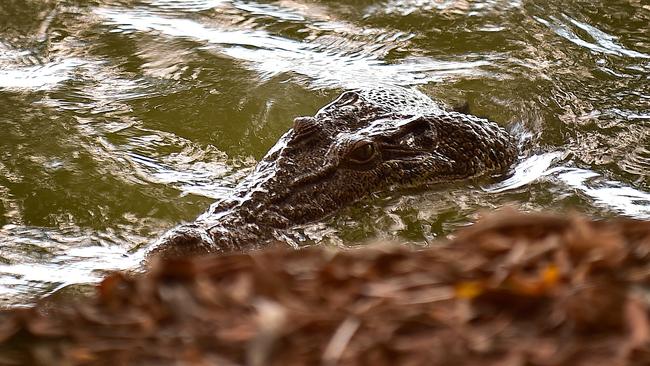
119,119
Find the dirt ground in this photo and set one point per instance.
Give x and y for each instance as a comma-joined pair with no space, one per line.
514,289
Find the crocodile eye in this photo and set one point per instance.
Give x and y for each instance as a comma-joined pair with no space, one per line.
363,152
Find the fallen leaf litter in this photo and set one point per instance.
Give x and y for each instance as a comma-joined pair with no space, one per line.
513,289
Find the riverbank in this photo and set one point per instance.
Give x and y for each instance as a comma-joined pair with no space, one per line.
513,289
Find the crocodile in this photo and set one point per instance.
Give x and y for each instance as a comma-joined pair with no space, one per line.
365,141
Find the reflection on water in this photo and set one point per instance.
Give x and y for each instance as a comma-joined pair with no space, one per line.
613,195
602,42
45,261
119,120
332,62
445,7
38,77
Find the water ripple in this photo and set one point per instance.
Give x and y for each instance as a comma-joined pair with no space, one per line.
444,7
188,5
42,261
324,66
40,77
611,194
602,42
526,172
270,11
637,161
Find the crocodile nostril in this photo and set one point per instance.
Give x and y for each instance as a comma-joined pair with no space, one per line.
300,123
303,126
347,98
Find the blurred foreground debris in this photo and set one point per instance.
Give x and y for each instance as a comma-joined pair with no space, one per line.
514,289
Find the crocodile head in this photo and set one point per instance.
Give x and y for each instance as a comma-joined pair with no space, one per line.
361,143
364,142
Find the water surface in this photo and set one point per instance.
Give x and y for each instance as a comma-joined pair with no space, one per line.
119,119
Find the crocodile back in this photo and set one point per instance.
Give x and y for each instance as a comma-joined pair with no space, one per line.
355,108
401,101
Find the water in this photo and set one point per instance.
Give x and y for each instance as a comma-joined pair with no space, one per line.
119,119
